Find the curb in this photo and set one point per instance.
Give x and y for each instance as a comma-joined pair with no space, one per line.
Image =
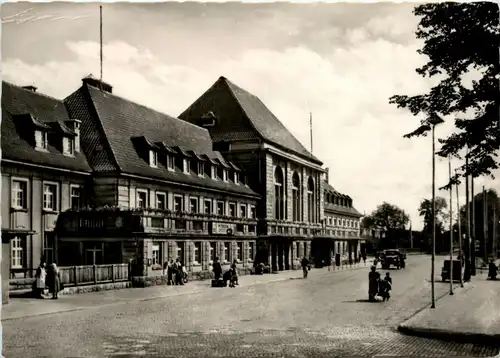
473,338
444,335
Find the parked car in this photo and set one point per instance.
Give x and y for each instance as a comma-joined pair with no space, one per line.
445,271
390,257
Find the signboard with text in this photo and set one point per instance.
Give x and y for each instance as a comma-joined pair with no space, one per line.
223,228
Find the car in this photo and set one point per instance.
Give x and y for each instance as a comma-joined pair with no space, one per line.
390,257
445,270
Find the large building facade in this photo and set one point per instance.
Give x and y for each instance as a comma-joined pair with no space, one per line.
98,179
44,173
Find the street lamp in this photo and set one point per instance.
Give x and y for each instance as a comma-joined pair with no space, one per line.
433,120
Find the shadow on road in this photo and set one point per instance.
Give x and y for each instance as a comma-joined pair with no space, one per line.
365,300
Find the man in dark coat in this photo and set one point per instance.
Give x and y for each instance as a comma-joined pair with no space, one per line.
373,283
217,269
305,266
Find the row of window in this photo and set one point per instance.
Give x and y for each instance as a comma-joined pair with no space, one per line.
342,222
195,205
188,166
198,256
297,205
50,195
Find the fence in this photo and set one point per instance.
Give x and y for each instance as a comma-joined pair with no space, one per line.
88,275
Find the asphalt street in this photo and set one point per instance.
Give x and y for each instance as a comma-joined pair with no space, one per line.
325,315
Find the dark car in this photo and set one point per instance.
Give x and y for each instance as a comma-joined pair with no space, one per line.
390,257
457,270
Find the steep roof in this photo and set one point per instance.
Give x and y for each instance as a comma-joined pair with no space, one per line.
262,121
349,210
120,121
21,106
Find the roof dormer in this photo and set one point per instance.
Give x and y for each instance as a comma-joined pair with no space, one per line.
62,138
147,150
34,130
168,155
183,160
197,163
236,172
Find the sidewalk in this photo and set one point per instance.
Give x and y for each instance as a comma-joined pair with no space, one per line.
27,307
471,315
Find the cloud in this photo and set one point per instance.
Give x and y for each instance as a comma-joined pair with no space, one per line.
357,133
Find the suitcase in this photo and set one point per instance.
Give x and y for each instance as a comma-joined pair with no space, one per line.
219,283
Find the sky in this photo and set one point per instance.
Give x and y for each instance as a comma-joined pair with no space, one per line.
341,62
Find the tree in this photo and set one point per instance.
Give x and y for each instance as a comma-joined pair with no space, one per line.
390,218
425,210
460,38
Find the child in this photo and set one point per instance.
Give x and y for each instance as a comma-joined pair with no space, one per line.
386,286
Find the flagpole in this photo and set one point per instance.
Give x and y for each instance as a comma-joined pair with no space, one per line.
100,37
311,129
451,227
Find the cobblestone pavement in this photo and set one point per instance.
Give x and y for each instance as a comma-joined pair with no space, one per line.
325,315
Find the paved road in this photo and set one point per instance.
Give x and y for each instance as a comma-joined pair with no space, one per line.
323,316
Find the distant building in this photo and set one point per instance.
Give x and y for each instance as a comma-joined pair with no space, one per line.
44,173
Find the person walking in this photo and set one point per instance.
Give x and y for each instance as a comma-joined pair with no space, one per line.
217,268
53,281
364,258
170,272
39,284
305,266
235,272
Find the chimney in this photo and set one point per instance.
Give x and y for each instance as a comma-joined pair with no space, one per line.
74,125
94,82
30,88
327,177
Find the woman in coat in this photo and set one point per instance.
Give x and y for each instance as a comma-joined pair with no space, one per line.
54,281
39,284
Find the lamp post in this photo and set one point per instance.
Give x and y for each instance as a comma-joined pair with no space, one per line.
459,236
433,120
451,227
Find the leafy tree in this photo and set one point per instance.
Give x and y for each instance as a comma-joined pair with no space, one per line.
425,210
391,219
459,38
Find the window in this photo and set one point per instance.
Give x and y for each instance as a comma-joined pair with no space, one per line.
16,260
207,207
232,209
236,177
239,227
296,199
279,206
186,166
180,251
197,252
310,200
239,251
251,251
219,171
193,205
170,162
49,240
19,194
178,207
220,208
156,255
41,140
161,200
198,225
75,197
142,199
68,146
153,158
243,210
213,172
253,213
213,250
227,250
201,169
50,197
225,175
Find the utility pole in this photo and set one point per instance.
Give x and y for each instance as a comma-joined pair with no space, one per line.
485,226
473,229
433,257
467,206
459,237
494,232
451,226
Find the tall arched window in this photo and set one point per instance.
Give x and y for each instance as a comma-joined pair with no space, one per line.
279,206
310,200
296,198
